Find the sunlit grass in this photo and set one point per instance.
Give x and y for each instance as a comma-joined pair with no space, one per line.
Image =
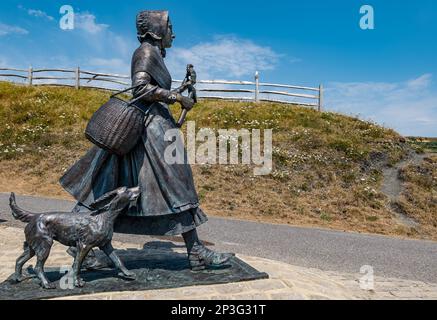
327,166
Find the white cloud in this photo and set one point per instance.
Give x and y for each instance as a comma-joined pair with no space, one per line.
6,29
226,57
104,43
39,14
111,52
87,22
111,65
421,82
409,107
123,45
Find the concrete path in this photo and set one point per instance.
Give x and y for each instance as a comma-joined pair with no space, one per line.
286,282
302,247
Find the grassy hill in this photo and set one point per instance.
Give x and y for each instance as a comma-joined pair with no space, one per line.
327,167
424,144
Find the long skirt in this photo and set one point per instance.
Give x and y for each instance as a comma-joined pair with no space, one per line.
168,204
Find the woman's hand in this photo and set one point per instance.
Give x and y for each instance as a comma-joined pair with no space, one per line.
187,103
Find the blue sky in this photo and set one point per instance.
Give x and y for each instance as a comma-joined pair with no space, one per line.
387,74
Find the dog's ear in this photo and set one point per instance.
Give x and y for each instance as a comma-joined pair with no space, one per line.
103,200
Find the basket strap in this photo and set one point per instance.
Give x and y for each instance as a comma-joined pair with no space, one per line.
131,102
142,96
126,90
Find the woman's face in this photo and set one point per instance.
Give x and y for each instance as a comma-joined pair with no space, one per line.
169,37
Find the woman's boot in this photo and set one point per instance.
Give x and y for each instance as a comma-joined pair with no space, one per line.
200,257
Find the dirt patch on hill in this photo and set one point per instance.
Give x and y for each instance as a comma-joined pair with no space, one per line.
393,187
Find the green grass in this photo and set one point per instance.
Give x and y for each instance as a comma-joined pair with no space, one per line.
35,119
324,169
39,117
424,144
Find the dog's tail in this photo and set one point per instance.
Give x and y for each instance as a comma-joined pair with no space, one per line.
17,212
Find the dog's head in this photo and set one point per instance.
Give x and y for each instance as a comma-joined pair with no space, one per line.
117,199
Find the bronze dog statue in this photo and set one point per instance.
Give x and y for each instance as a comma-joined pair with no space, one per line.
83,231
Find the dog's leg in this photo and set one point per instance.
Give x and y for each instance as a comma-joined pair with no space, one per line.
26,256
110,252
81,254
42,253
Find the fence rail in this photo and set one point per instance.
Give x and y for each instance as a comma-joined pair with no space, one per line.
207,89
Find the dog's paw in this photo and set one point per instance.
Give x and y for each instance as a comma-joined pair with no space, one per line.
22,277
79,283
128,275
49,286
17,278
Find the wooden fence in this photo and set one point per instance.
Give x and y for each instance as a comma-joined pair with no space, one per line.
207,89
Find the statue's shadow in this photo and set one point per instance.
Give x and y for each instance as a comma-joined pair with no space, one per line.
156,259
157,266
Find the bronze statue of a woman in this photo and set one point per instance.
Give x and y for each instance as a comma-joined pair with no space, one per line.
169,204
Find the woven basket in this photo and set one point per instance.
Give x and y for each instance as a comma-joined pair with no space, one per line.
116,126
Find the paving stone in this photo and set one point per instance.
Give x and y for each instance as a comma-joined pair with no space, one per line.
286,282
223,297
318,297
266,285
287,295
199,291
409,294
252,296
233,288
130,297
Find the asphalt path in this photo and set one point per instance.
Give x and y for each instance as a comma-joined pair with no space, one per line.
307,247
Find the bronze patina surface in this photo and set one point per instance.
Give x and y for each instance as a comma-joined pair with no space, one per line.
153,269
169,203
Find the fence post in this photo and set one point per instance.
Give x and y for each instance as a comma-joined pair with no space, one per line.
77,78
320,98
257,86
30,76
